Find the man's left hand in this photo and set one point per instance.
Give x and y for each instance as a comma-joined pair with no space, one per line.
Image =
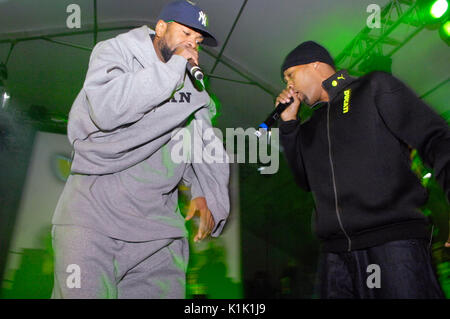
199,205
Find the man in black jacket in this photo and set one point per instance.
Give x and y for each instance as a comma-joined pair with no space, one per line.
353,155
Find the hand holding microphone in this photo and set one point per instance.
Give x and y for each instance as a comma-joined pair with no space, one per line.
188,52
286,107
290,113
194,70
191,54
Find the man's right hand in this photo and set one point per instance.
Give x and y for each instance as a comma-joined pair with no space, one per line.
188,52
290,113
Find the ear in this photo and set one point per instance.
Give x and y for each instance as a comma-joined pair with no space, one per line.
161,28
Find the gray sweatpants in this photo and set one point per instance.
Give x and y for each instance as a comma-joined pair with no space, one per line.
91,265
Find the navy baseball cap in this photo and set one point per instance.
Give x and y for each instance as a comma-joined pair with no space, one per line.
188,14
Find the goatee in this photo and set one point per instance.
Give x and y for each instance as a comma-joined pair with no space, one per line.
166,52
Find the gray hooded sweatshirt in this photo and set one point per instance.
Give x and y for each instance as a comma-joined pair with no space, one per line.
123,180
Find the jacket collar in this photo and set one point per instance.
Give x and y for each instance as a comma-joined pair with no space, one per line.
337,83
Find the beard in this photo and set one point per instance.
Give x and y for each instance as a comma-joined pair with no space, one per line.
166,52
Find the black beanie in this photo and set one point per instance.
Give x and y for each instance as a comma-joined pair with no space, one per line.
307,52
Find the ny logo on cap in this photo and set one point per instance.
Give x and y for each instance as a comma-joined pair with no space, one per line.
202,18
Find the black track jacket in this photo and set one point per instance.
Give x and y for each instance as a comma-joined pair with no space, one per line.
353,154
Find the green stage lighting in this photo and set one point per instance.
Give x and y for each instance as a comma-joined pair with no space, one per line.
446,28
444,32
438,8
432,12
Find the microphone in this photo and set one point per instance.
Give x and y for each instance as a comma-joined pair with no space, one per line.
275,115
194,70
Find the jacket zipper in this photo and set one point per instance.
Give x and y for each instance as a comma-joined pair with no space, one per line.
334,181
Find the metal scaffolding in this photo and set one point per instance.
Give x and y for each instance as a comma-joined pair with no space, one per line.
368,43
376,42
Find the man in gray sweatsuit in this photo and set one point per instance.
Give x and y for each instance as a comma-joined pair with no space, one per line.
118,231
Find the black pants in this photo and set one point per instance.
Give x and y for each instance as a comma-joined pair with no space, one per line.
395,270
